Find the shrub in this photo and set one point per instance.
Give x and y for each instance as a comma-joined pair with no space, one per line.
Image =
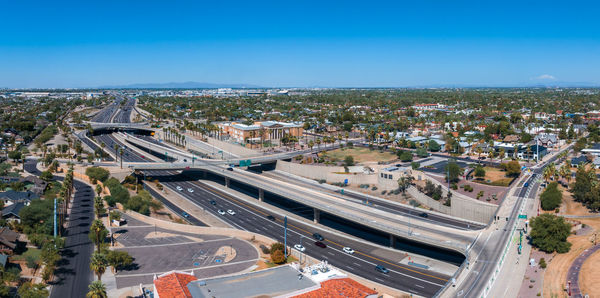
264,249
543,263
97,173
276,246
278,257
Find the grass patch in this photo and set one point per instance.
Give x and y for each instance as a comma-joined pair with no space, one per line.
494,177
35,252
290,259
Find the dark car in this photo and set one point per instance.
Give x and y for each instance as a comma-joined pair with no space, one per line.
270,217
212,202
424,215
526,184
230,169
382,269
185,214
320,244
318,236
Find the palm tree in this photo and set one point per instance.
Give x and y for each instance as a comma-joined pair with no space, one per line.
116,147
99,232
121,153
98,264
96,290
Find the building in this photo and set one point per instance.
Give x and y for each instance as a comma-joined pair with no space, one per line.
173,284
340,287
388,177
271,131
9,241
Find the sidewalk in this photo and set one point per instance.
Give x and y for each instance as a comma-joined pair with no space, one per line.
515,266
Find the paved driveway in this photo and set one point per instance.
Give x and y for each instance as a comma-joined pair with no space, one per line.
158,250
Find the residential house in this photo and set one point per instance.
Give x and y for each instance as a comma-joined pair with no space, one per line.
173,284
9,241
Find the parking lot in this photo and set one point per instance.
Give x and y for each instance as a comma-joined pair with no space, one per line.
157,250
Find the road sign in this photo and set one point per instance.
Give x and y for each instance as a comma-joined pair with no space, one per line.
522,216
346,181
245,163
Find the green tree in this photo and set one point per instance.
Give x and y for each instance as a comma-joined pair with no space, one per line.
31,290
118,259
98,264
513,168
479,172
406,156
46,176
454,170
99,206
434,146
349,160
278,257
98,233
549,233
551,198
96,290
421,152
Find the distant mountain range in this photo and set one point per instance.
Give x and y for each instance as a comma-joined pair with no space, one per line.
180,85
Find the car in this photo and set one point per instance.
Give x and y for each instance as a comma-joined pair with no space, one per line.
185,214
299,247
382,269
221,212
318,236
348,250
526,184
230,169
481,157
179,188
212,202
320,244
424,215
231,212
190,190
270,217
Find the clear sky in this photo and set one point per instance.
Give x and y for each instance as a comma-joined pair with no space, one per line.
298,42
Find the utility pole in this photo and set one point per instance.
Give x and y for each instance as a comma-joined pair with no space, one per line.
285,235
55,227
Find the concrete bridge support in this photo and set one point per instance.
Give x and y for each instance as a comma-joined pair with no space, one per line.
392,241
317,215
261,195
227,181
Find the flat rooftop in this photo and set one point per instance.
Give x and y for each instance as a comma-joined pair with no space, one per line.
270,282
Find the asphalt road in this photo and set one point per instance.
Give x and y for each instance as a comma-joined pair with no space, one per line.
490,249
362,262
73,273
382,205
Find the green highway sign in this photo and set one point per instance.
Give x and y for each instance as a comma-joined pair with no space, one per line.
523,216
245,163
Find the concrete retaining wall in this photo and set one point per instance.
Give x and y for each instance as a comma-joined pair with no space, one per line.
428,201
326,173
248,236
233,148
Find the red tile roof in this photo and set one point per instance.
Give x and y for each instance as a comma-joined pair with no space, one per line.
174,285
341,287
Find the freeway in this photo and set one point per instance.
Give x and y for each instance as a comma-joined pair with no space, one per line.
381,204
407,278
74,274
489,249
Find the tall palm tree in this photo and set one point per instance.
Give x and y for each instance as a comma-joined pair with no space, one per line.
96,290
98,264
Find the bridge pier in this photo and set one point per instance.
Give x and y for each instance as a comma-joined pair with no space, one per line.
392,241
227,181
204,175
261,195
317,215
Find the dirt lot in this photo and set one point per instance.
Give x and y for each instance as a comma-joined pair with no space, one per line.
556,273
495,177
361,155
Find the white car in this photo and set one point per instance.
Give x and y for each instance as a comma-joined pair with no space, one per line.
348,250
221,212
190,190
179,188
299,247
231,212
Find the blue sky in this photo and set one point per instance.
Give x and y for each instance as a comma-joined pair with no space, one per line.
298,43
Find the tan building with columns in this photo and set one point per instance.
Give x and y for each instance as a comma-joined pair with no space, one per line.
271,130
